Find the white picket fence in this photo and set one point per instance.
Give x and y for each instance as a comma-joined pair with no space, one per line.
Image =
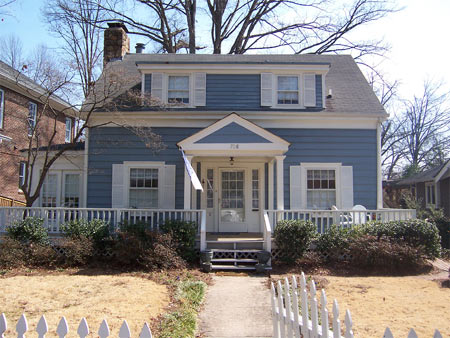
291,319
63,328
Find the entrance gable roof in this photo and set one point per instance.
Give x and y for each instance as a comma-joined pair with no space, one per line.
233,133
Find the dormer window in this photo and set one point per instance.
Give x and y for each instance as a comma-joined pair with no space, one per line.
178,89
288,90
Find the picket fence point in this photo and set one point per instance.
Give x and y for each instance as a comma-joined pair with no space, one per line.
63,328
388,333
103,330
42,327
145,332
3,324
124,331
412,334
83,328
22,326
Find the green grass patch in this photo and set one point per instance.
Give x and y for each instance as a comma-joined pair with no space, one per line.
182,323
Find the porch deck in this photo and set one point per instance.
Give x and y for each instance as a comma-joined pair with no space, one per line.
234,237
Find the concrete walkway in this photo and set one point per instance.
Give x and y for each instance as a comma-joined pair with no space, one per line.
237,306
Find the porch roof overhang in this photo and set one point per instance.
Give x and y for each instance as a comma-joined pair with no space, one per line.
234,136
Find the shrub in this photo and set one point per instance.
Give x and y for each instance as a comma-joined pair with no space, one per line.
183,233
442,222
15,254
12,253
416,233
96,229
333,243
30,229
149,250
380,252
75,251
293,238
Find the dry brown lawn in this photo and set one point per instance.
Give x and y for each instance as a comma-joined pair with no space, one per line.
401,303
111,297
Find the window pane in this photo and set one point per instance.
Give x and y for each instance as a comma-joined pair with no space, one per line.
179,82
287,83
321,190
49,189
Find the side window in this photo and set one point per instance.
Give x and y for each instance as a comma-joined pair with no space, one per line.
49,191
2,107
68,137
321,189
430,192
143,188
32,111
22,173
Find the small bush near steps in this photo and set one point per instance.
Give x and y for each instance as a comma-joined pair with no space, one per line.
293,238
29,230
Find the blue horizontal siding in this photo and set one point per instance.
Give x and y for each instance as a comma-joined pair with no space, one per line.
108,146
356,148
235,91
234,132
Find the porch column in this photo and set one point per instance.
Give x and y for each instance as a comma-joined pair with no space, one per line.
187,186
280,182
270,184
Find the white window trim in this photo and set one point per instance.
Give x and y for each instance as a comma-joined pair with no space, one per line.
34,119
58,174
24,173
128,165
300,92
427,202
322,166
2,107
165,89
68,119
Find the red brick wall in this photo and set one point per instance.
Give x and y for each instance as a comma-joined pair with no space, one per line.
15,126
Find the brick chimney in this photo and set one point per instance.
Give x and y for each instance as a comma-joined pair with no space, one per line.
116,42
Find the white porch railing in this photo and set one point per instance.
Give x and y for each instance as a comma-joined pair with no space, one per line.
54,217
297,314
323,219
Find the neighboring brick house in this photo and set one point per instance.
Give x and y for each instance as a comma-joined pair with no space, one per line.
22,102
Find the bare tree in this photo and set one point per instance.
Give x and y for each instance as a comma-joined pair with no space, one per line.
427,126
76,23
12,51
241,26
4,4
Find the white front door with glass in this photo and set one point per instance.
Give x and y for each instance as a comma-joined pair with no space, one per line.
232,198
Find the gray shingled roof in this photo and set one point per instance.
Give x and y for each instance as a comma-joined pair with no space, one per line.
14,77
351,92
425,176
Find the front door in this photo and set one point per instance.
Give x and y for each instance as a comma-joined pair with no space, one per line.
232,200
232,195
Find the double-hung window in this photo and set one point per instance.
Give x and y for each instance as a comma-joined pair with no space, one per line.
2,107
32,111
321,189
288,90
143,185
178,89
72,190
68,137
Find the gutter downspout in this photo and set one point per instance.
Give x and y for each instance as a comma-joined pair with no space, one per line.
379,173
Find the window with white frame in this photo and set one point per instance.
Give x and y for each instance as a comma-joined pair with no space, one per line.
49,191
288,90
178,89
2,107
430,194
210,188
143,188
255,189
321,188
32,111
72,190
68,137
22,173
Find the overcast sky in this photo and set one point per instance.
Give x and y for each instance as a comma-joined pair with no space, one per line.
418,36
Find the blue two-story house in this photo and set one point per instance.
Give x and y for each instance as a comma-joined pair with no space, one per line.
262,132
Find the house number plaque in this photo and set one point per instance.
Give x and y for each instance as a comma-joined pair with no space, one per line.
234,146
